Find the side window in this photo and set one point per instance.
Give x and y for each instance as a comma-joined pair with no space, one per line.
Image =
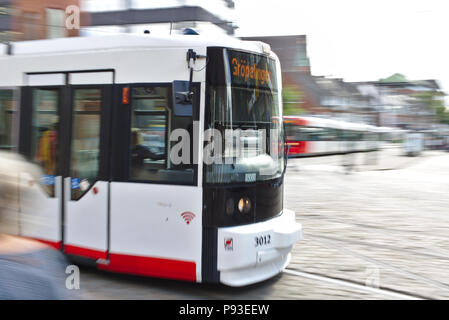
152,122
348,135
85,149
45,135
7,108
290,131
311,133
340,134
330,134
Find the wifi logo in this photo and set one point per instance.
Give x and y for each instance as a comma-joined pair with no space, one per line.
188,216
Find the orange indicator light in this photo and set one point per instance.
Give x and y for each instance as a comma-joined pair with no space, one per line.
125,95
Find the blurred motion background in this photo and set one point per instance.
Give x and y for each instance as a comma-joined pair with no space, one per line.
379,63
392,54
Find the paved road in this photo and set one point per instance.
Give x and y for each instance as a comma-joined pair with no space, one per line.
383,225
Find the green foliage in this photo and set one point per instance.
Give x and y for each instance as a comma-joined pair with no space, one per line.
434,100
397,77
293,98
443,115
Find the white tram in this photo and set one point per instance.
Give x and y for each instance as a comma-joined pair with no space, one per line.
98,115
313,136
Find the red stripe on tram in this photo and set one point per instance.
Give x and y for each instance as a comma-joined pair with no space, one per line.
85,252
153,267
54,244
138,265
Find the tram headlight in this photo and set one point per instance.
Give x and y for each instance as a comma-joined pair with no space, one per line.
244,205
230,205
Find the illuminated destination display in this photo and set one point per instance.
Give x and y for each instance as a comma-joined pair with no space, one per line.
251,70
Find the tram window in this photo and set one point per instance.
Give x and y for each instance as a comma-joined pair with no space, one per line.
352,135
316,134
370,136
152,121
349,135
45,135
340,134
85,148
304,133
291,131
7,108
328,134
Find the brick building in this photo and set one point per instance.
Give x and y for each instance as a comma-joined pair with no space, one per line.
296,74
35,19
389,102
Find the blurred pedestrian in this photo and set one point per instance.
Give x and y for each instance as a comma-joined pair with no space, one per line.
28,269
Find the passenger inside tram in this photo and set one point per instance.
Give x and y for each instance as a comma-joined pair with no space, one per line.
140,152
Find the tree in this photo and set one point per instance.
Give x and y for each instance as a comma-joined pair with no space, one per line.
397,77
433,100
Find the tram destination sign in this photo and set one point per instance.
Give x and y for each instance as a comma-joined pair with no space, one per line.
252,70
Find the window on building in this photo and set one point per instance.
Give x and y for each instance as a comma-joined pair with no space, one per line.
55,23
4,10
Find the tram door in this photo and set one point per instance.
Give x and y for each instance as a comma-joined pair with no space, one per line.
40,140
65,130
86,186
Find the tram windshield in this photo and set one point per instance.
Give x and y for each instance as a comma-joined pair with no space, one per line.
244,114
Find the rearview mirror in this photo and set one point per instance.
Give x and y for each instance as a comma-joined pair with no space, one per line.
182,99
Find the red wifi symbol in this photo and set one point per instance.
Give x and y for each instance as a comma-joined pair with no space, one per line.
188,216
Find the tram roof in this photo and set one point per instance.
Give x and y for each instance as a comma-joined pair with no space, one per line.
333,123
128,41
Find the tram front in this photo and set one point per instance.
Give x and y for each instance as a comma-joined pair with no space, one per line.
247,233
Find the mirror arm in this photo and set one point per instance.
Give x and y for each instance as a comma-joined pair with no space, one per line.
191,58
190,93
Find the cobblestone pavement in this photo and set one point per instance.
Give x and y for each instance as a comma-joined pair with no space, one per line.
387,227
384,225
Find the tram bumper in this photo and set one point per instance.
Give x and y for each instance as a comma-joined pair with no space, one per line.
252,253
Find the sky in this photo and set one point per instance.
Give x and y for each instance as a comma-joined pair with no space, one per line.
359,40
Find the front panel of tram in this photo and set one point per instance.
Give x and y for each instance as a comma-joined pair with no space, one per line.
247,236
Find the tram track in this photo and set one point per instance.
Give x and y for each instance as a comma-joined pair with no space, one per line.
411,275
395,294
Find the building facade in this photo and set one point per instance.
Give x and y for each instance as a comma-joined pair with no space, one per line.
31,19
159,17
394,101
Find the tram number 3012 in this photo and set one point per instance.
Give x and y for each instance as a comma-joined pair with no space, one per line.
262,240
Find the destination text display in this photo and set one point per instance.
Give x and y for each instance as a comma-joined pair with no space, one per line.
251,70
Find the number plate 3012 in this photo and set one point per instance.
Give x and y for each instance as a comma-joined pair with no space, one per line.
262,240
